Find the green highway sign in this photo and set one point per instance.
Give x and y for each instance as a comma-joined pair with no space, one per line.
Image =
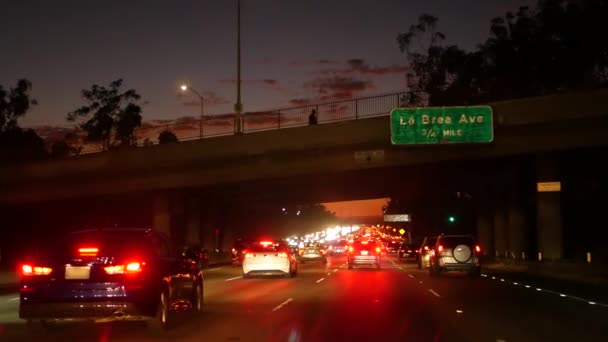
442,125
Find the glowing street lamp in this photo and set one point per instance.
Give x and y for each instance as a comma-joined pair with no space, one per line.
184,88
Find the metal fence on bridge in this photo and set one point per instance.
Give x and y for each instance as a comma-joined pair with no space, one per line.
191,128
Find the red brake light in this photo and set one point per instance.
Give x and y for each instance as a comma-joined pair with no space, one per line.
249,255
477,249
282,255
88,251
364,242
133,267
440,248
378,249
28,270
426,248
265,243
351,249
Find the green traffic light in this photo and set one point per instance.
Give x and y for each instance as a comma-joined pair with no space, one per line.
452,219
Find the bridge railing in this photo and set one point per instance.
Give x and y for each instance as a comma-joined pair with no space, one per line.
191,128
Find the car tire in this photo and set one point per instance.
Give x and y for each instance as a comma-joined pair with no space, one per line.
350,266
378,266
163,321
246,275
432,271
198,298
419,265
324,261
475,273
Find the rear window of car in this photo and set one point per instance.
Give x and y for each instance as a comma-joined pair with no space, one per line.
112,243
260,248
430,242
451,242
361,244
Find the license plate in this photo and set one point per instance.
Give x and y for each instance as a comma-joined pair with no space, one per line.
77,272
363,252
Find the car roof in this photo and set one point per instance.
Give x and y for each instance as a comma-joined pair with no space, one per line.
116,230
462,236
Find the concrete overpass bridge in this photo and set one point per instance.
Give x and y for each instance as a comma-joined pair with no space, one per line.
189,188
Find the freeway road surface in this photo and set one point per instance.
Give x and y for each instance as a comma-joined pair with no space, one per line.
332,303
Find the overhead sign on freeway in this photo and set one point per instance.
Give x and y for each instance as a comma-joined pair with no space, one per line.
442,125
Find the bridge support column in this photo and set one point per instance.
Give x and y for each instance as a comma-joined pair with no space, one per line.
500,233
516,227
227,238
161,220
548,211
193,222
484,234
209,236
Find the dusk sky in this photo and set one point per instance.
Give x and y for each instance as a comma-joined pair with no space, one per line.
291,50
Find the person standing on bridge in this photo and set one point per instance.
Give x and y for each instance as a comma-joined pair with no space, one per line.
312,118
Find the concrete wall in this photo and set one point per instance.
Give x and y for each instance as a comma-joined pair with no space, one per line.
522,126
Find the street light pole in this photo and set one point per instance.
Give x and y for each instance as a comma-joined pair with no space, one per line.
185,88
238,107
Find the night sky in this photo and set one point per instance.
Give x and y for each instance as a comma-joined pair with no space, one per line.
291,49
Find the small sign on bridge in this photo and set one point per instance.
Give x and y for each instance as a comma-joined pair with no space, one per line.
441,125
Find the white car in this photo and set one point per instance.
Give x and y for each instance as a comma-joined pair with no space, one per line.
269,258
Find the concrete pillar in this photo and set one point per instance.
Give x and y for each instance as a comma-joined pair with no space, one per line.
501,245
193,222
516,226
208,236
548,211
484,235
516,232
227,238
161,220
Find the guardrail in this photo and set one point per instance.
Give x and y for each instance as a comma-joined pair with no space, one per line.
191,128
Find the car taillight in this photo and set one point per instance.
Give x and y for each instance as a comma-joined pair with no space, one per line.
249,255
440,248
350,249
322,251
88,251
477,249
426,248
265,243
29,270
130,268
301,252
282,255
378,249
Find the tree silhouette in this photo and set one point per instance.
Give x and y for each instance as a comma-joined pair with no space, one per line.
166,137
111,112
17,144
14,104
557,46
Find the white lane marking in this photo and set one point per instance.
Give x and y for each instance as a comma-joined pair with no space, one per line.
320,280
16,298
230,279
459,311
434,293
563,295
411,276
215,269
278,307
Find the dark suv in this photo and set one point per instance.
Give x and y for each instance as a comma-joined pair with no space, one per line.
364,252
105,275
455,253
